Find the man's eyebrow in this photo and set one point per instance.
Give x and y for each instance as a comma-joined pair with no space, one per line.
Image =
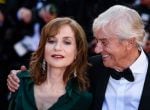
101,39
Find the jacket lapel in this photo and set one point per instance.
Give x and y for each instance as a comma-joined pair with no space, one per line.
145,98
101,89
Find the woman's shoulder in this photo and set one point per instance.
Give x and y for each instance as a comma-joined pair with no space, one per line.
75,91
25,79
24,74
21,98
86,96
84,101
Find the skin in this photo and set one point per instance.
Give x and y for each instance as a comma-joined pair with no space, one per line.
26,14
13,80
60,50
116,54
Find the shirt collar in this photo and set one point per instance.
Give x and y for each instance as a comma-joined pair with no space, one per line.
140,65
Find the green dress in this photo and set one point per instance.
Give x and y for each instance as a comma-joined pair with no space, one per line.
73,99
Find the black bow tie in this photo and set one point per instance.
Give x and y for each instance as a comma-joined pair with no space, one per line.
127,74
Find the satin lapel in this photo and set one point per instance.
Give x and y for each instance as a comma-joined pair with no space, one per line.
100,90
100,76
145,99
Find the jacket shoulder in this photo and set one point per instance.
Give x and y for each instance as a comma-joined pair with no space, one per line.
97,59
86,96
24,74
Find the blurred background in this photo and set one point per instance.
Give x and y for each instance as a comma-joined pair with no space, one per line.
21,22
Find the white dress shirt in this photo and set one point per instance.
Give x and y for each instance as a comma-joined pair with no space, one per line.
124,95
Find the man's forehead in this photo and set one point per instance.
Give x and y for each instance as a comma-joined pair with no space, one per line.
100,33
102,36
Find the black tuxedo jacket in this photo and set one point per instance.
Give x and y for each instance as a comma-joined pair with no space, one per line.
99,76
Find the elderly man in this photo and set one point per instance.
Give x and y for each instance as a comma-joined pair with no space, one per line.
121,78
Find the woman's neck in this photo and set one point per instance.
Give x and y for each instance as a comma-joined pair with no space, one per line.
55,76
49,91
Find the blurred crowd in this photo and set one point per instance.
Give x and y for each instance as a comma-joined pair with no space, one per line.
21,22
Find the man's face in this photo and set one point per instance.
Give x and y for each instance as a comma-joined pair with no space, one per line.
113,50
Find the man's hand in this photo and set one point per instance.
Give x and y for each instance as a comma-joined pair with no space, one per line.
13,80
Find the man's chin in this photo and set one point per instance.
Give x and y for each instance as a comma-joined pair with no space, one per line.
107,64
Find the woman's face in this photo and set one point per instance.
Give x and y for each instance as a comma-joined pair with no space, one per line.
61,50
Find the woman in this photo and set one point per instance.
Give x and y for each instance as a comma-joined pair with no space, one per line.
57,78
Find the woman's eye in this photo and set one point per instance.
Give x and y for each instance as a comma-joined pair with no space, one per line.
67,42
51,41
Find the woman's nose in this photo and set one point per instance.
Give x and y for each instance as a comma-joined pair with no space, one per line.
57,46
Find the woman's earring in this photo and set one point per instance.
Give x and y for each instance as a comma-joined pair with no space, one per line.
44,65
75,73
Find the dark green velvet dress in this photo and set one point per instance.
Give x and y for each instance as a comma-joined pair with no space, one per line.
73,99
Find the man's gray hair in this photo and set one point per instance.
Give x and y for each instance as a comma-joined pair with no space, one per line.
121,21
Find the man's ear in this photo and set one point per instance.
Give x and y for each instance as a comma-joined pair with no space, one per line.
132,42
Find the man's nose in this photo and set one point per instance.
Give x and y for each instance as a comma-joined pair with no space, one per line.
98,48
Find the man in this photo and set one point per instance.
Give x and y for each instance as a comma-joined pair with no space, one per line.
119,33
